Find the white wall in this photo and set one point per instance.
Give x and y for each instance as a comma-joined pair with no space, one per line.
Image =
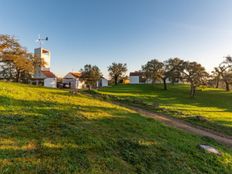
67,81
148,81
104,82
80,84
38,52
69,78
50,82
134,79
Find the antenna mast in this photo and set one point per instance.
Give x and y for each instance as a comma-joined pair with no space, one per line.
40,40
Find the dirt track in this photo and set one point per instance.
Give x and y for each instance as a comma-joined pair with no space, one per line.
173,122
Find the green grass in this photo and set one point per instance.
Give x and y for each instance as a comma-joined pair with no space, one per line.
213,104
51,131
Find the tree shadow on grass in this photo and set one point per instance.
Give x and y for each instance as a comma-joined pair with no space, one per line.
59,138
100,142
177,94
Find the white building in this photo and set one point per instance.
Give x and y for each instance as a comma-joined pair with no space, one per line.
45,55
43,75
50,79
137,77
102,82
74,78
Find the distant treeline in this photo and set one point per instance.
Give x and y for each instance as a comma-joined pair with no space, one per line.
17,64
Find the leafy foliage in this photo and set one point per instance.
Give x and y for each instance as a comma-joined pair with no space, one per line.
195,74
224,71
16,62
117,71
153,70
91,74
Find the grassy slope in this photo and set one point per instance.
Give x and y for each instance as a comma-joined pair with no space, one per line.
50,131
213,104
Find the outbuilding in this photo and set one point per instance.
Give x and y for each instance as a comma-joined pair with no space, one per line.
103,82
137,77
46,78
74,78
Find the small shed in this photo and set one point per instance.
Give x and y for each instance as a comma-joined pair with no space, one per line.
74,78
137,77
46,78
103,82
50,80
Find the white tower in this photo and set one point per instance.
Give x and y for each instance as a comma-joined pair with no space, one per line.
43,55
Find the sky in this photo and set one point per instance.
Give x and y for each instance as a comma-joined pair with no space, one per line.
100,32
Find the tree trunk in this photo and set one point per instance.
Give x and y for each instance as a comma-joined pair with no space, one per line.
227,86
17,76
165,84
173,82
217,83
193,91
116,80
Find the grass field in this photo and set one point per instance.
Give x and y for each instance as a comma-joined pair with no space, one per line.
51,131
213,104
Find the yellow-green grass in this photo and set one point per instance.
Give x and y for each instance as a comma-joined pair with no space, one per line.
213,104
51,131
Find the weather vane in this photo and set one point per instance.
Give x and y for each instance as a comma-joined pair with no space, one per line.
41,40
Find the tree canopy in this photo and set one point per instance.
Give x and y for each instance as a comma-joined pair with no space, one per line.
153,70
15,62
117,71
91,74
195,74
170,69
224,72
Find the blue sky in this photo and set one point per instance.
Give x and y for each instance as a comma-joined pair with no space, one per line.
100,32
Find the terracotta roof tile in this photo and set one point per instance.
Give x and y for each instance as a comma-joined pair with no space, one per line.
48,74
76,74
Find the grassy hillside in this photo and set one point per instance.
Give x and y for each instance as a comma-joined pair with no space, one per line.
213,104
51,131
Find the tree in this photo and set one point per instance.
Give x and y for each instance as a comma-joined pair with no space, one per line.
117,71
8,42
153,70
171,69
16,62
195,74
216,75
91,74
225,71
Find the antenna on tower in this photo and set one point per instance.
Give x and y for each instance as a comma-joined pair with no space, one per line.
41,40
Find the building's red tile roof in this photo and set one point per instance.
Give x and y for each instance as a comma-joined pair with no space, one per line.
136,73
48,74
76,74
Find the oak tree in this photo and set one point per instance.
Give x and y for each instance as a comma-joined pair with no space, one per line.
117,71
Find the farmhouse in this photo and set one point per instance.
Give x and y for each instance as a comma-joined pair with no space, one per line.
74,78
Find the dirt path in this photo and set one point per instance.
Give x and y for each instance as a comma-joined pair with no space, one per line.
173,122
